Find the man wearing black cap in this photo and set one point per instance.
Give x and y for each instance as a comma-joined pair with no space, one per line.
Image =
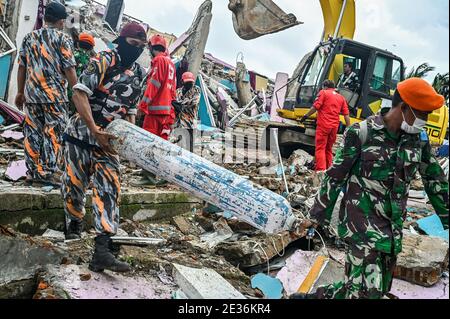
108,89
46,64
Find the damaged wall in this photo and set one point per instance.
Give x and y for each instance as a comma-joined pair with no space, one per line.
26,18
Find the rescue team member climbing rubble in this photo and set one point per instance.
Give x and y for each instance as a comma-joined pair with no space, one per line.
329,105
158,97
374,167
46,64
101,96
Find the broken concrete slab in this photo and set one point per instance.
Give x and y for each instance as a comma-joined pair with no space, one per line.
204,284
76,282
185,225
423,259
16,171
255,251
20,260
405,290
221,233
32,210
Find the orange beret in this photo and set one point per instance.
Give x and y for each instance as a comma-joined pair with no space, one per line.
420,95
86,37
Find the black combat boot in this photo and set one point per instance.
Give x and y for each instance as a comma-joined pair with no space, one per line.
103,257
74,230
115,249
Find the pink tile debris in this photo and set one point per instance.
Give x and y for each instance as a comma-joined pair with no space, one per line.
16,170
13,134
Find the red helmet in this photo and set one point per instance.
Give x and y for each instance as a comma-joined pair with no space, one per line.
188,77
158,40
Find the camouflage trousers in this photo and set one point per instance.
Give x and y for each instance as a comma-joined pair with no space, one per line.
43,130
81,166
368,275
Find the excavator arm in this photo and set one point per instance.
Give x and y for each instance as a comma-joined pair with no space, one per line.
339,19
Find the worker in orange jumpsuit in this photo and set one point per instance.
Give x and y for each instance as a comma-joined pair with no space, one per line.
161,91
329,105
156,103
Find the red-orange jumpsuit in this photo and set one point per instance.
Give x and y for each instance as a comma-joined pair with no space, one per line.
329,105
158,97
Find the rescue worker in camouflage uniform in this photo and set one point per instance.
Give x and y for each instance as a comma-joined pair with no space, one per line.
374,167
83,54
46,66
108,89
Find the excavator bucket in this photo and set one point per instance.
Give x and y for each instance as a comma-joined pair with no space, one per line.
255,18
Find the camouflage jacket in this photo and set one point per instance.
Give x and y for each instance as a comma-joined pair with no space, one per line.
46,54
82,58
188,116
375,178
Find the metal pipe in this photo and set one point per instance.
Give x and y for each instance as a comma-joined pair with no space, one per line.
341,16
280,159
247,107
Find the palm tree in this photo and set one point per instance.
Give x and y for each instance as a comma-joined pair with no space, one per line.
441,85
421,71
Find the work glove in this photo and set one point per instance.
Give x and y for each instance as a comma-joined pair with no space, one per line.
303,119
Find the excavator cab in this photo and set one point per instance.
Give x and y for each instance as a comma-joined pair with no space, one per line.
377,74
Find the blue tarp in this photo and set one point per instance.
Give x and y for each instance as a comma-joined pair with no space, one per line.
5,64
203,114
270,287
432,226
229,84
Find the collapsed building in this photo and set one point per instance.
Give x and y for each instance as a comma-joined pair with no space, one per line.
169,236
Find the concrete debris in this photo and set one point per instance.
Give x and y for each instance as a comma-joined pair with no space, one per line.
75,282
405,290
21,260
186,226
54,235
423,259
16,171
222,233
204,284
12,135
259,249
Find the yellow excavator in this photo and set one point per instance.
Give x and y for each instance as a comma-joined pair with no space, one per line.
378,70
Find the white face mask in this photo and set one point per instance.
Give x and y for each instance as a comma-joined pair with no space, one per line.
417,126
